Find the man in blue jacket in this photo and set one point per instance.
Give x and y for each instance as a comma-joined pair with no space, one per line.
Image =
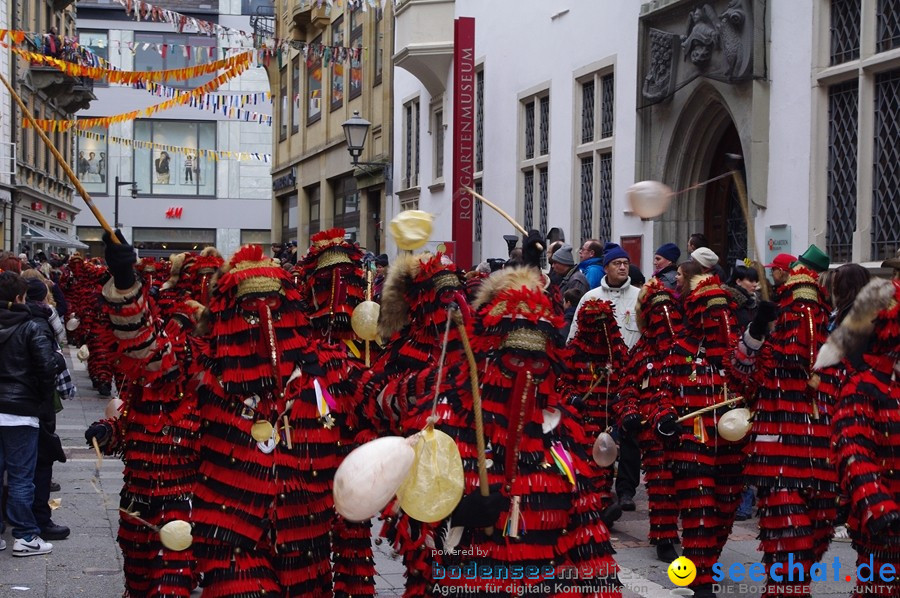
590,262
28,367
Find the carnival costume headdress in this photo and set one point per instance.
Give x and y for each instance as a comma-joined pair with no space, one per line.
417,291
708,315
332,282
257,324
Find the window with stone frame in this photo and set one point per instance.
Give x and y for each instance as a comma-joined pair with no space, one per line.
410,127
860,215
534,159
594,135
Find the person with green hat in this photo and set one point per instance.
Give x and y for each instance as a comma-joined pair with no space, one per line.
789,460
815,259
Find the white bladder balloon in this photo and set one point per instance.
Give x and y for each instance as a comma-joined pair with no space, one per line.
72,323
649,199
735,424
370,476
112,408
365,320
605,450
176,535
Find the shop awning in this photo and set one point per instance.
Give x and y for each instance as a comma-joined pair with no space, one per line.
40,235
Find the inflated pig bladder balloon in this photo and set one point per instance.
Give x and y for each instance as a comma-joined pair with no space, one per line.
649,199
370,476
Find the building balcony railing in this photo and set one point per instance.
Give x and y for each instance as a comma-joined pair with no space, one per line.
71,93
309,13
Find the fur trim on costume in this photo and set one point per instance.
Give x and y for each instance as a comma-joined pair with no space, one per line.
394,313
853,333
177,261
507,279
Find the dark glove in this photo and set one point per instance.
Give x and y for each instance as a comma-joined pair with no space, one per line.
102,431
668,425
631,424
888,521
475,510
577,401
533,248
120,259
766,314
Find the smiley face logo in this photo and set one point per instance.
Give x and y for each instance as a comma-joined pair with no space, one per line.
682,571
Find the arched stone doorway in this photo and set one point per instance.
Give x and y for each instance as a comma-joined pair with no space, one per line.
723,219
705,132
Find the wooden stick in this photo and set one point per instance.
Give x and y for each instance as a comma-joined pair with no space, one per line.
96,448
484,488
751,232
709,408
287,432
594,384
491,204
62,161
139,520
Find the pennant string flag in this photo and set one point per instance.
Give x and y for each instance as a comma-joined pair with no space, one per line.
104,121
131,77
202,153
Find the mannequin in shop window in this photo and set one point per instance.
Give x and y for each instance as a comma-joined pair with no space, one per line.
162,168
189,168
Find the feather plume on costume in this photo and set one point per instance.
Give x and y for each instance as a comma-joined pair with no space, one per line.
452,536
856,328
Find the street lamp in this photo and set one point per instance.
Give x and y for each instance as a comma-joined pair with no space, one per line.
134,192
355,130
26,238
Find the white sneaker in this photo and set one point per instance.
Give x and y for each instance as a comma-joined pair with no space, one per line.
31,547
2,544
841,534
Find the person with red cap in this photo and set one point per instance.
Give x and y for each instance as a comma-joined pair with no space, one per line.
781,268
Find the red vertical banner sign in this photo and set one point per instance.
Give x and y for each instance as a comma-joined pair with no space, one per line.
463,138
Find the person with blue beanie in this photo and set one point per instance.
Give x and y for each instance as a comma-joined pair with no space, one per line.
665,264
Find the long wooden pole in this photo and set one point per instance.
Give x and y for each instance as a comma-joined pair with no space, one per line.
751,231
59,157
483,486
497,209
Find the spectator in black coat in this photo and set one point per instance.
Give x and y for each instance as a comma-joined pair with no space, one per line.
29,364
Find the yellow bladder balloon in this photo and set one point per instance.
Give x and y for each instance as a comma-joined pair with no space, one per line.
411,229
436,483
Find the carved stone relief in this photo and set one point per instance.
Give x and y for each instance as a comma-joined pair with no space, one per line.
716,43
659,82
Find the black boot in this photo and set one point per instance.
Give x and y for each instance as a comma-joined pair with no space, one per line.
104,389
704,591
611,514
666,552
